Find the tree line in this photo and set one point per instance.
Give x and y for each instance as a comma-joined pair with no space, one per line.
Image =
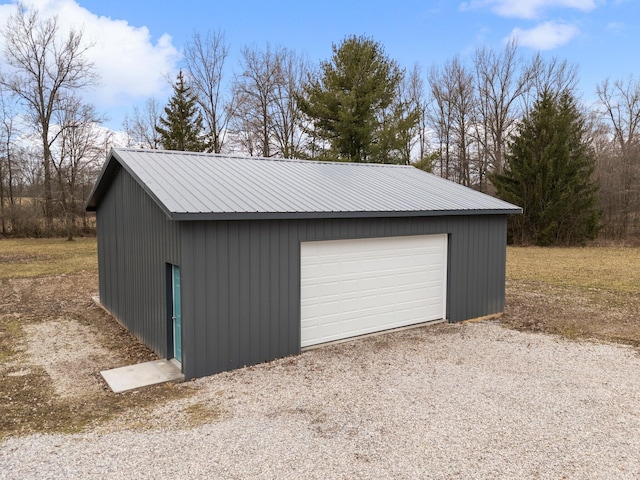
50,140
461,120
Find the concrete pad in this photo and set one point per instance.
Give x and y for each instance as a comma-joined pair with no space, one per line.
142,375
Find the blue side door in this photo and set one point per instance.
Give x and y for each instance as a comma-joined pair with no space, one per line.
177,316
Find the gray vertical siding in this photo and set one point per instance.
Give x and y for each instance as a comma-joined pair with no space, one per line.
241,280
135,241
240,298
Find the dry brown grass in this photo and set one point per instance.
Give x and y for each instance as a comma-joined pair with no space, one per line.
28,258
614,269
201,413
590,292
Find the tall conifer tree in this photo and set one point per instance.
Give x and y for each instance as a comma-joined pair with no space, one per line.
549,174
354,104
181,126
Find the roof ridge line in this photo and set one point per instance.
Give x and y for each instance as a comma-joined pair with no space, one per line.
258,158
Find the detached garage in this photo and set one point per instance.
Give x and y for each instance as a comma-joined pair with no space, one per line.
222,262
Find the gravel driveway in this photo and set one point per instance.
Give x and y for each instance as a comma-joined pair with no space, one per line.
448,401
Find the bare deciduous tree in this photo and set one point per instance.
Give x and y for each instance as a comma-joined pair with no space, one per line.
204,59
440,118
45,65
501,82
254,88
415,90
464,115
453,116
268,120
141,127
620,109
291,71
80,147
554,75
8,163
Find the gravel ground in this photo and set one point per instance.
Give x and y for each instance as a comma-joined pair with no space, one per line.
76,350
449,401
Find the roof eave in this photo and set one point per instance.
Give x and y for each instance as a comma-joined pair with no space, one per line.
204,216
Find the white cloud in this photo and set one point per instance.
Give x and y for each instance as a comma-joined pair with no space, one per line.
615,27
528,8
131,65
545,36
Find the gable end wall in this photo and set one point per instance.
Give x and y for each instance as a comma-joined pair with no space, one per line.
135,241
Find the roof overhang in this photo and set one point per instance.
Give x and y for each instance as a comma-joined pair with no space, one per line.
206,216
107,174
111,167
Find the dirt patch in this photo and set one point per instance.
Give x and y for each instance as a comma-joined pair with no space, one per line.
22,257
53,343
575,292
572,312
201,413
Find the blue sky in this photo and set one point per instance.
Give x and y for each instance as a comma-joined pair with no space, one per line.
138,43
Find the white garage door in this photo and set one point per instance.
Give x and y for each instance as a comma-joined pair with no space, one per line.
354,287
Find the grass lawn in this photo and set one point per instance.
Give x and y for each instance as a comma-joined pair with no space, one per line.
28,258
589,292
614,269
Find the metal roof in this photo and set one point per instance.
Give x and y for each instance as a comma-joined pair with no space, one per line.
200,186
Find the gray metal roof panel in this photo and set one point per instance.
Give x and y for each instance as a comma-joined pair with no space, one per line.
193,185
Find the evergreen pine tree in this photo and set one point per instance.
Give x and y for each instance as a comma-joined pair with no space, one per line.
549,174
181,127
354,104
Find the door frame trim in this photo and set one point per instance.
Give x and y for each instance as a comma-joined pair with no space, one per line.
169,308
169,267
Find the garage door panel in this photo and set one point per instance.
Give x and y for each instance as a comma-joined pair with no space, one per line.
354,287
